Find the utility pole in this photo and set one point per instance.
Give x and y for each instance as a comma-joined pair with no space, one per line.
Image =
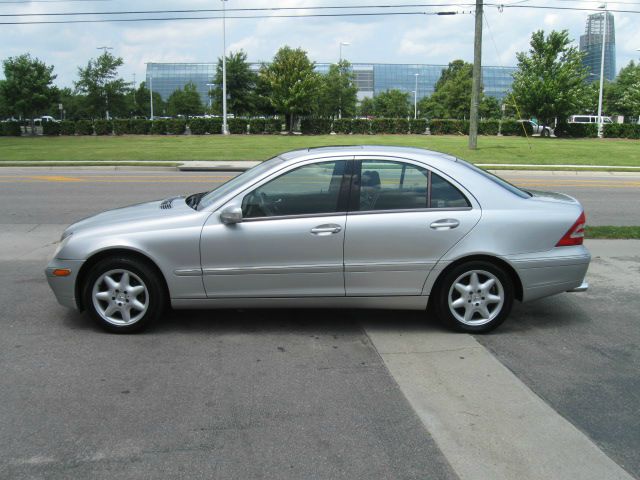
106,94
477,74
225,127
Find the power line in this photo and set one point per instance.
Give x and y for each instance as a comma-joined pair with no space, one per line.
215,10
163,19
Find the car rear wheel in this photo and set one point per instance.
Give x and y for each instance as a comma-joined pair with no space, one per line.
474,297
124,295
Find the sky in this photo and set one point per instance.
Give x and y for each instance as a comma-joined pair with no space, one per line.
386,39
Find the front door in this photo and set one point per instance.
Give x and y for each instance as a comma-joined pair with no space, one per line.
290,242
403,218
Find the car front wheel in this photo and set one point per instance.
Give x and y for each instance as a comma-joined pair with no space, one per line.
474,297
124,295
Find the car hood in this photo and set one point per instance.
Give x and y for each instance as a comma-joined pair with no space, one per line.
134,214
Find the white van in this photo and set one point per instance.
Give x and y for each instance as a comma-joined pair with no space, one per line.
588,119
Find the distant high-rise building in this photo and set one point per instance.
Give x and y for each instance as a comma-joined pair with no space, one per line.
591,44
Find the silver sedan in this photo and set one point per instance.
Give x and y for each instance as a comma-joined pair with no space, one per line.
337,227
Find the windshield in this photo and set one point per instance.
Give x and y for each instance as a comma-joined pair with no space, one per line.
211,197
496,179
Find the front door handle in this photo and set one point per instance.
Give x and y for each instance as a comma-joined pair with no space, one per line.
445,224
328,229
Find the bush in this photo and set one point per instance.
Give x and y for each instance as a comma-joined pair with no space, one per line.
51,129
342,125
273,126
315,126
401,125
381,125
622,130
159,127
198,126
67,127
176,126
577,130
140,126
237,126
449,127
257,126
84,127
121,126
361,126
418,126
10,129
488,127
103,127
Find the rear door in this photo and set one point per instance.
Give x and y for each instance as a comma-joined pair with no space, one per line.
402,219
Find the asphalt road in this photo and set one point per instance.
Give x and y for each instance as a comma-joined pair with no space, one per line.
289,394
64,195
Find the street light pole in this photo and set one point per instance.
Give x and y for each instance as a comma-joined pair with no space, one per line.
210,100
415,99
151,89
345,44
106,94
604,36
225,128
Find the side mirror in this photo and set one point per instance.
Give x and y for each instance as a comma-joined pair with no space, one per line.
231,215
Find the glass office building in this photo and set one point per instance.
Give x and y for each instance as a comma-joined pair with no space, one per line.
370,78
591,45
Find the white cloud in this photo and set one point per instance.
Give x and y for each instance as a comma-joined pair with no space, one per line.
392,39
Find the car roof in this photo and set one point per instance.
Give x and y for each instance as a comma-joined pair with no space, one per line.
382,150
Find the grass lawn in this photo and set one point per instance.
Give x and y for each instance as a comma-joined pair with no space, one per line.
612,232
244,147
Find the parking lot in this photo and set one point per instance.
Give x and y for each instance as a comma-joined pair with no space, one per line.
553,393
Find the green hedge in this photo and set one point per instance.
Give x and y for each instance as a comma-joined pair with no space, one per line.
51,129
84,127
121,126
237,126
176,126
315,126
488,127
103,127
401,126
159,127
361,126
449,127
273,126
67,127
140,126
201,126
257,126
418,125
622,130
342,125
577,130
10,129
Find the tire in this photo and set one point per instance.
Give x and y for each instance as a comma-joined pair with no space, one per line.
115,286
474,310
546,133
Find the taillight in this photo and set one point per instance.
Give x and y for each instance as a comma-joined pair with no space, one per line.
575,235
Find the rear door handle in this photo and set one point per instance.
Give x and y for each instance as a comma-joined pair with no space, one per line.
328,229
445,224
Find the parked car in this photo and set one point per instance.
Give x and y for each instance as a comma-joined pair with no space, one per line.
353,227
588,119
539,130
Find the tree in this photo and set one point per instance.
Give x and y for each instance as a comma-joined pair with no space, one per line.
550,80
392,104
338,92
292,83
100,83
622,95
139,102
241,85
185,102
489,107
367,107
28,88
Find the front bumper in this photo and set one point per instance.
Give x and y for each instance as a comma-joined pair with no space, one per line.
64,287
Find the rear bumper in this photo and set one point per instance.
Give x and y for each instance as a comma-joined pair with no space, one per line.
559,270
